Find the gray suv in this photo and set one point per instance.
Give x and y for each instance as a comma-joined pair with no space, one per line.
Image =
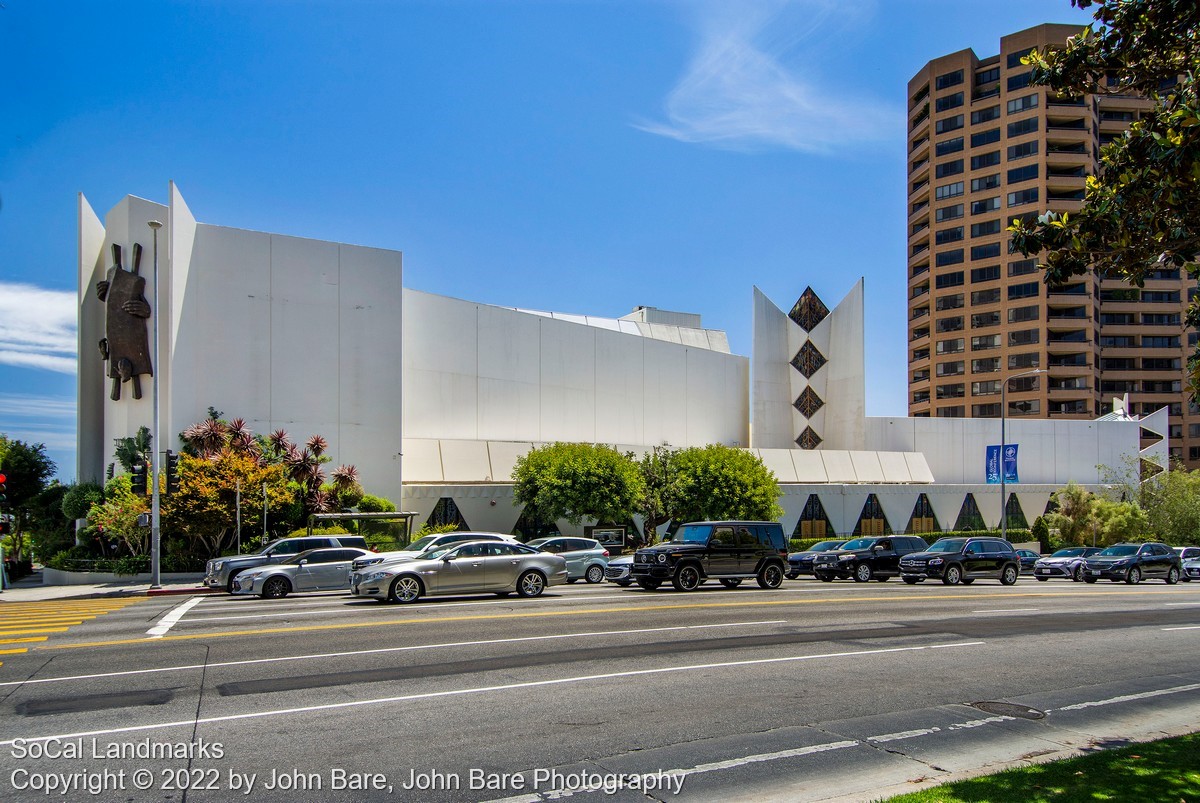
220,572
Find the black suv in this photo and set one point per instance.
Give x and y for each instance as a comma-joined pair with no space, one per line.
963,560
730,551
1132,563
869,558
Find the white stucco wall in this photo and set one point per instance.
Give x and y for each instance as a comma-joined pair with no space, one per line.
478,372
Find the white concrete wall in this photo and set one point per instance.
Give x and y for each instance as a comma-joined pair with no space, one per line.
478,372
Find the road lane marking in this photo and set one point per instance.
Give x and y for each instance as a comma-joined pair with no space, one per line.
537,614
1125,698
1170,604
171,618
1184,627
1009,610
32,631
530,684
23,639
410,648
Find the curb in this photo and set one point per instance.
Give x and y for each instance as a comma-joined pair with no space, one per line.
165,592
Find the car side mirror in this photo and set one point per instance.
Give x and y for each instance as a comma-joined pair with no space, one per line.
304,562
447,558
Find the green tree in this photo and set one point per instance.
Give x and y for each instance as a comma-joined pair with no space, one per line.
1171,500
1142,211
574,481
27,469
1120,521
658,472
721,482
137,449
50,531
1075,517
116,516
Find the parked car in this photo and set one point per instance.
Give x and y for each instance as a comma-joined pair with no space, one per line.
1191,570
427,543
730,551
1066,563
619,571
586,557
869,558
314,570
1028,559
802,562
1133,563
1187,553
963,560
474,567
220,572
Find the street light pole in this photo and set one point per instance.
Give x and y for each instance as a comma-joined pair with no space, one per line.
155,502
1003,414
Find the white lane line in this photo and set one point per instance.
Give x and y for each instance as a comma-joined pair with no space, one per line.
1173,604
532,684
957,726
171,618
1009,610
411,648
1125,698
1183,627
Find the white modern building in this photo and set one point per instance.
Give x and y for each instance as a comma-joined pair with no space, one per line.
434,398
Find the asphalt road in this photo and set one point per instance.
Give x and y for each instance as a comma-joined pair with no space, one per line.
814,691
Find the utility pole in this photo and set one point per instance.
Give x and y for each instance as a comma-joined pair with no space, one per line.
239,516
155,502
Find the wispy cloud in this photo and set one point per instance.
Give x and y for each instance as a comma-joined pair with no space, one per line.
755,81
37,327
23,406
39,419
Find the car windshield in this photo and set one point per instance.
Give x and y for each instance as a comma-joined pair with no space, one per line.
440,552
692,534
1118,551
859,543
824,546
948,545
537,544
1073,552
420,545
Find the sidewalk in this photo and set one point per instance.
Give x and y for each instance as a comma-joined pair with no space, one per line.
30,589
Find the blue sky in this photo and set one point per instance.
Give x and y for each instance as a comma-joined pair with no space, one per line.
581,157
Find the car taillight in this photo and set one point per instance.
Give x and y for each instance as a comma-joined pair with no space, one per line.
606,553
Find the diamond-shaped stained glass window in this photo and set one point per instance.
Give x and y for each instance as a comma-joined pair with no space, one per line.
809,310
808,360
808,439
808,403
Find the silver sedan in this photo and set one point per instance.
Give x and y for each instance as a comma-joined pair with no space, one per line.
314,570
472,568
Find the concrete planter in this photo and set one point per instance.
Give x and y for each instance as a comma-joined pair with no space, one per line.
54,577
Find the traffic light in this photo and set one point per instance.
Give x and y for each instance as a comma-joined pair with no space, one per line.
3,496
172,472
137,478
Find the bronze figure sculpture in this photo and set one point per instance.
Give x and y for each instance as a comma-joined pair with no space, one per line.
126,346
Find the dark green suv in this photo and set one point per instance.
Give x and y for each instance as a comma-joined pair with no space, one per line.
729,551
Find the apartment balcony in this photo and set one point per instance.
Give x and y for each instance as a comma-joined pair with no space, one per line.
919,146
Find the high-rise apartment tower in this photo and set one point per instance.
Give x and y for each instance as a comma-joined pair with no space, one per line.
985,146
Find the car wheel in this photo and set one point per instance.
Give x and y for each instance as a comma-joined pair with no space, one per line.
1172,576
1044,579
405,589
770,576
1133,576
731,582
687,578
912,581
863,573
1089,580
952,576
531,584
1077,575
1009,576
276,588
594,574
968,580
649,585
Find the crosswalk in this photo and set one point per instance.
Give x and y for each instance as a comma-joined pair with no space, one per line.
24,624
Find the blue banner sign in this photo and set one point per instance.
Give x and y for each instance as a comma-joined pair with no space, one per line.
992,464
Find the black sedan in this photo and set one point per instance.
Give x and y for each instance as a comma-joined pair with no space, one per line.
1028,558
1133,563
802,562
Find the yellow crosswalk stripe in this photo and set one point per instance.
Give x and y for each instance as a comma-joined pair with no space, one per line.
31,622
23,639
31,631
14,652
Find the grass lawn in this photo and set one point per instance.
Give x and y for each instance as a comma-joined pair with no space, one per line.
1166,771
